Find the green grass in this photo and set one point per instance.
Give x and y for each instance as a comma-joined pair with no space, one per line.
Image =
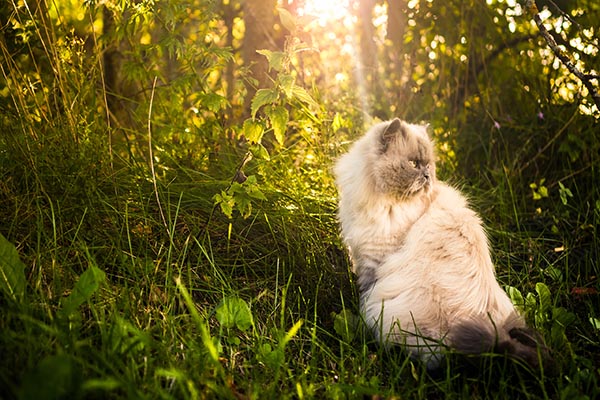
120,303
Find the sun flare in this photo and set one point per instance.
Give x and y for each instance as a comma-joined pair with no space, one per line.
327,11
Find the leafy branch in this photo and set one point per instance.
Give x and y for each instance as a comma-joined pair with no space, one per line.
585,78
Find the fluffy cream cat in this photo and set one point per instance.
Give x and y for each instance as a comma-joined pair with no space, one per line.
420,253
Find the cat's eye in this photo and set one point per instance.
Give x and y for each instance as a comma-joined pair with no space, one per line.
413,163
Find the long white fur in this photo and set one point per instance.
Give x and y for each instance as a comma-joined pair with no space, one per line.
435,273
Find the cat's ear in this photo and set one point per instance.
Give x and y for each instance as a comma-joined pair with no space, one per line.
391,132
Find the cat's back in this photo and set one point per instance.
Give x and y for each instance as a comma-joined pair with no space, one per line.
450,216
450,234
447,199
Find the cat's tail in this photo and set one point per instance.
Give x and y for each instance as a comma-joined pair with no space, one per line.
513,338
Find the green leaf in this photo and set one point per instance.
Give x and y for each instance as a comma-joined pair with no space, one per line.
89,282
515,296
262,97
273,358
554,273
302,95
346,325
243,202
595,323
253,189
338,122
287,19
253,131
564,192
260,152
545,304
226,202
12,271
530,302
561,316
544,296
274,58
557,336
234,312
213,102
279,117
287,83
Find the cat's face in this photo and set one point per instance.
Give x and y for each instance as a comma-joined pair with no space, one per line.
404,165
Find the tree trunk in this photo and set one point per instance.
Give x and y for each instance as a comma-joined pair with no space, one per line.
259,19
396,23
369,64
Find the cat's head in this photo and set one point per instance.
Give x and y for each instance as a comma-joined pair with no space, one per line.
404,160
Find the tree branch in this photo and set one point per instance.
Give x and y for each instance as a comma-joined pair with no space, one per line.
586,79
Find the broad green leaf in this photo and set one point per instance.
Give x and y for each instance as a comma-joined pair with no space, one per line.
240,193
338,122
226,202
287,19
260,152
234,312
544,296
595,322
253,131
253,189
274,58
530,302
545,304
554,273
563,317
12,271
515,296
262,97
346,325
271,357
251,180
287,83
302,95
89,282
213,102
557,336
279,117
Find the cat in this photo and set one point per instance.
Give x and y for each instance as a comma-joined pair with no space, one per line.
421,256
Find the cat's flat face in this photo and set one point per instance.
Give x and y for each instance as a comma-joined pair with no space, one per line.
404,165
